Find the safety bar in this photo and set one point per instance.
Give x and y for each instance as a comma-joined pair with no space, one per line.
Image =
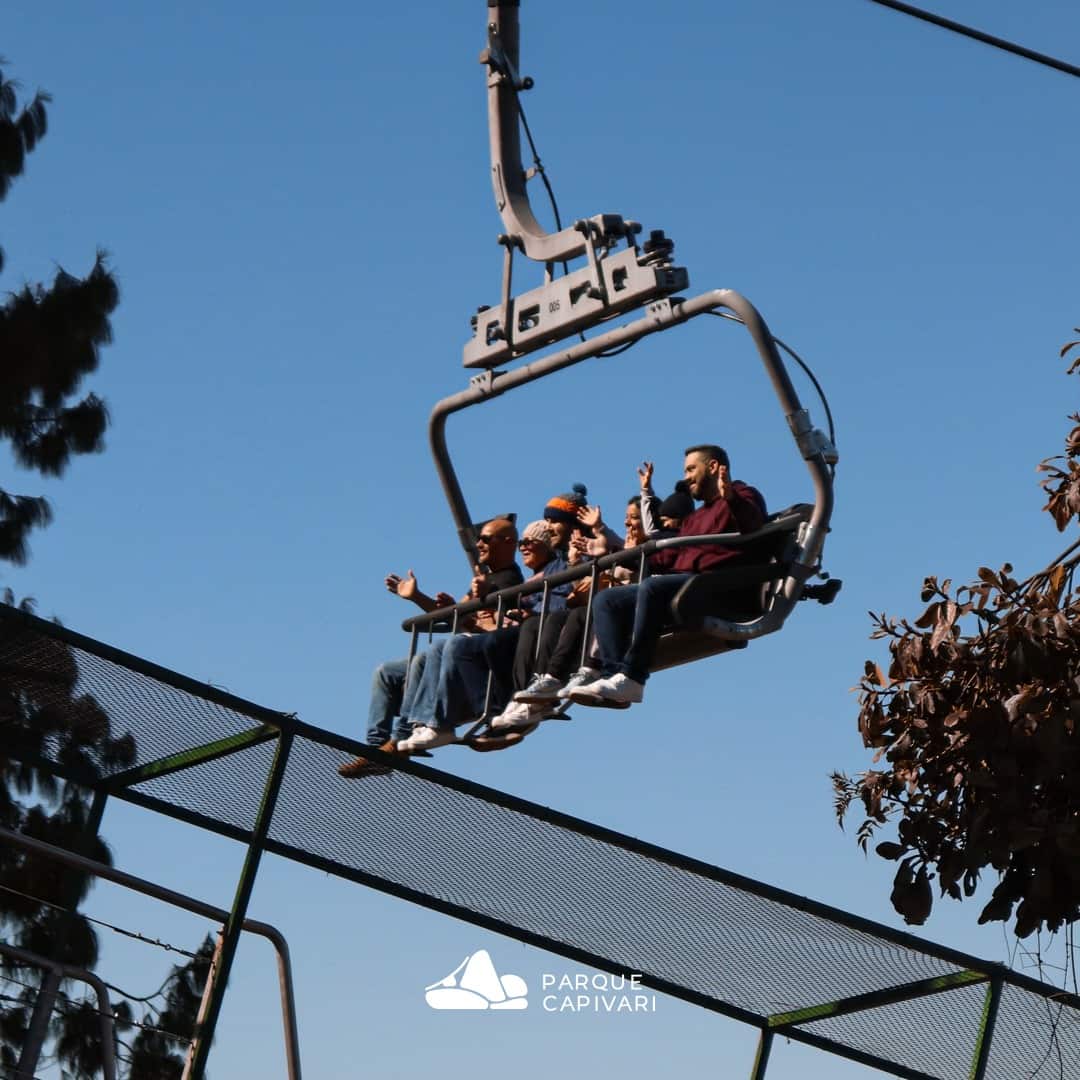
659,315
575,573
188,903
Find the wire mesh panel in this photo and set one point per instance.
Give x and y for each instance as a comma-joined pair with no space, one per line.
1037,1038
642,913
227,789
693,930
935,1035
101,710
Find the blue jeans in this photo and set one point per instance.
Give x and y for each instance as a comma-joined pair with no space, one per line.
628,621
387,698
449,692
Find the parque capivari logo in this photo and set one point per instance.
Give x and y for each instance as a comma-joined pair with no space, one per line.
475,984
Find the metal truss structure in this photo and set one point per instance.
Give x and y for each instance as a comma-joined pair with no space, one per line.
785,965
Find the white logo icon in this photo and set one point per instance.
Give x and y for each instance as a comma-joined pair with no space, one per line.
474,984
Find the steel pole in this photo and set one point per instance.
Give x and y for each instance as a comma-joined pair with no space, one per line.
205,1032
761,1059
986,1028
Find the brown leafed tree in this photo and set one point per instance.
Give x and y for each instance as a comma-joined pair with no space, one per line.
974,728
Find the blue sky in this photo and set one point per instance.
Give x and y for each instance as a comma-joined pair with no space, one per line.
297,205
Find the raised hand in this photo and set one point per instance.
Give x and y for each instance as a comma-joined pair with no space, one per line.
590,517
405,587
579,548
645,471
724,487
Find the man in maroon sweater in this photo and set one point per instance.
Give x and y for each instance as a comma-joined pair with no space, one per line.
628,621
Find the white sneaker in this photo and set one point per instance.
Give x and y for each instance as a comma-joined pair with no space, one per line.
615,692
518,716
542,688
579,678
428,738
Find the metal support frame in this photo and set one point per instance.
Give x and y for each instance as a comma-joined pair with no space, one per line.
875,999
197,907
66,971
220,975
796,1025
761,1058
198,755
38,1029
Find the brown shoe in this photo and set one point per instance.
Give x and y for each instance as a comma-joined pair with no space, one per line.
362,766
484,744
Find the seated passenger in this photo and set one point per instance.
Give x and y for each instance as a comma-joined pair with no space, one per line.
662,519
628,621
548,660
402,690
569,516
467,661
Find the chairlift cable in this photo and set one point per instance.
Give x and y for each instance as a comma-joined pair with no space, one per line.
979,35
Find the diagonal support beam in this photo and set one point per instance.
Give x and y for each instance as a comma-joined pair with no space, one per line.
197,755
986,1028
876,998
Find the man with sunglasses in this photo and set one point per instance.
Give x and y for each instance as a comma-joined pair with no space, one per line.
412,692
468,660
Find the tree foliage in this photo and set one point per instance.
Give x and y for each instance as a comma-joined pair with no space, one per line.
44,716
159,1050
975,728
49,340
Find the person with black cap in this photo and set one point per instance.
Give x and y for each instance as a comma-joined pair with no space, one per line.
629,621
662,519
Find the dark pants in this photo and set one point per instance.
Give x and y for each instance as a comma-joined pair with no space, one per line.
629,620
558,651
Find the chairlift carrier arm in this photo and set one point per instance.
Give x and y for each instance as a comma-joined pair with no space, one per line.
504,132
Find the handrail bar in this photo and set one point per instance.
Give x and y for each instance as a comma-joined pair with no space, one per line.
196,907
584,569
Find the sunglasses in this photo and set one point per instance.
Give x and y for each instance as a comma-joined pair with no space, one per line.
487,538
529,543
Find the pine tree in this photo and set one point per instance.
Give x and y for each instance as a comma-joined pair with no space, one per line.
49,340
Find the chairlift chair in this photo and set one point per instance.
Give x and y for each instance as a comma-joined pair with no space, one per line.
715,611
